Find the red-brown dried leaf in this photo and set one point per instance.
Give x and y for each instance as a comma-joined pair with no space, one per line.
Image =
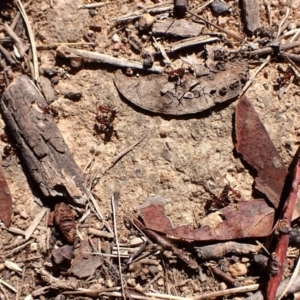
239,220
5,200
257,149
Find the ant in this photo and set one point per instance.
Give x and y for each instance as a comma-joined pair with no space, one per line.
50,110
176,74
8,150
227,195
105,119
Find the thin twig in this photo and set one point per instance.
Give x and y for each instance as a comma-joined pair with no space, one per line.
198,9
8,285
216,26
162,51
16,40
268,7
292,279
3,291
67,52
123,153
246,86
295,36
282,21
92,5
114,202
96,205
35,223
32,41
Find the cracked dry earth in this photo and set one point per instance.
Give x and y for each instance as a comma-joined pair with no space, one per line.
177,159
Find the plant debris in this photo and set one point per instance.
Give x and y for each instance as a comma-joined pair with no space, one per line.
257,149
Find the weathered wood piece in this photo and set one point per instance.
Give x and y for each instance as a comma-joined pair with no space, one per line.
178,28
157,93
39,142
251,15
5,200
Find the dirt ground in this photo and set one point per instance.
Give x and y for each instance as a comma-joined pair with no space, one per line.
177,159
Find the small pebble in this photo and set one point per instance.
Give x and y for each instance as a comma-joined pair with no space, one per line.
223,286
145,21
115,38
92,12
23,214
131,282
33,247
153,270
2,267
73,96
124,9
160,282
220,7
109,283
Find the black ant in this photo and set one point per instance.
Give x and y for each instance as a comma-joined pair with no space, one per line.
50,110
8,150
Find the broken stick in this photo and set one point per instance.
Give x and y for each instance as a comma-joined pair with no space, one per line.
40,143
67,52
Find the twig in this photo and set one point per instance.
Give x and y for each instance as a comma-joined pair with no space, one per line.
35,223
92,5
242,289
191,263
18,248
123,153
282,21
114,203
157,8
96,205
199,40
32,41
268,50
162,51
216,26
296,35
198,9
246,86
19,291
67,52
100,233
292,279
268,7
3,291
7,55
16,40
8,285
283,240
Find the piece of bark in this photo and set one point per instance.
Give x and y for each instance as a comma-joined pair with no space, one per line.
85,263
40,143
239,220
251,15
5,200
257,149
47,89
157,93
179,28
